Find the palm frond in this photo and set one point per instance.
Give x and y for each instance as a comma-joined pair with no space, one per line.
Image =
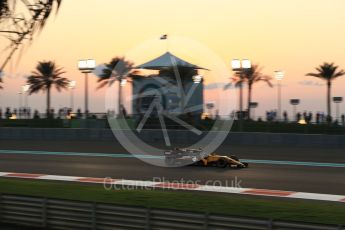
251,76
339,74
61,83
102,84
46,75
22,20
116,69
227,86
313,74
327,71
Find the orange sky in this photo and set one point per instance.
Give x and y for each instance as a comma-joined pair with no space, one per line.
293,35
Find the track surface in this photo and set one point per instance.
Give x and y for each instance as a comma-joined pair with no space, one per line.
281,177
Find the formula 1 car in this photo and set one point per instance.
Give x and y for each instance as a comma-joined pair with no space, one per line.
198,157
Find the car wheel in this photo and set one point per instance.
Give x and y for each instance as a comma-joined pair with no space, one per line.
245,165
200,163
170,161
221,163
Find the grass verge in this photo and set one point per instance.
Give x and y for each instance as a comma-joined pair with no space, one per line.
228,204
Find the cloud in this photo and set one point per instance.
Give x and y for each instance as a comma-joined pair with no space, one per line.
310,83
274,85
12,75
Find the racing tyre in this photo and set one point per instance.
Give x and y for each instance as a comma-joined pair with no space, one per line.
170,161
245,165
199,163
221,163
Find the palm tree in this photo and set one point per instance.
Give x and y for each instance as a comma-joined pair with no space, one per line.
116,70
239,80
1,80
46,75
327,72
20,20
250,77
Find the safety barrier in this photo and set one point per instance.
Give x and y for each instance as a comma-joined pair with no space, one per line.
176,136
67,214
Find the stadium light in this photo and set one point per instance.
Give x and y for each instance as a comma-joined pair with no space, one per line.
240,66
86,66
279,75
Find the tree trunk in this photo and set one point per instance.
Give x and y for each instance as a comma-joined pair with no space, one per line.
48,102
241,100
329,111
119,107
249,99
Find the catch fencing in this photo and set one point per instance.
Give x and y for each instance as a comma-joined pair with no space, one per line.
77,215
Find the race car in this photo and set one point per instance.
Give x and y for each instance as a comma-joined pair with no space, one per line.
199,157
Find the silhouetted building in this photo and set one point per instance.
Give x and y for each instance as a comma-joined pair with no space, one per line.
165,86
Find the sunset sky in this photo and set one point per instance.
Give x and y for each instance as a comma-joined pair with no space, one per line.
294,36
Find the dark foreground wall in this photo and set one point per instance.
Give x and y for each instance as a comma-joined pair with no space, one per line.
52,213
176,136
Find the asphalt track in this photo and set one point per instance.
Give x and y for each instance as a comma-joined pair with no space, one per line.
311,177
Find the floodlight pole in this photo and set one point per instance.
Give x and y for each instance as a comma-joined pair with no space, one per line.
122,82
25,90
253,114
337,101
72,99
26,100
86,67
279,76
240,66
294,107
241,95
120,98
253,106
279,101
86,106
294,103
20,99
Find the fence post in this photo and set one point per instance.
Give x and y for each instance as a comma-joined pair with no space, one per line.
93,215
0,207
206,220
270,224
44,212
148,218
